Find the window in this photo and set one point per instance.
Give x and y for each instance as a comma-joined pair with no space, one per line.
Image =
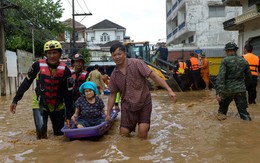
191,39
76,36
174,23
92,39
67,34
104,37
118,38
217,11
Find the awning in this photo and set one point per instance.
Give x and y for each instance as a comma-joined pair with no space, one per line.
100,63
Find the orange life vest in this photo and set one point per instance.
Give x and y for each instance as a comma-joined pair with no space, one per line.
194,63
253,62
49,84
182,67
77,82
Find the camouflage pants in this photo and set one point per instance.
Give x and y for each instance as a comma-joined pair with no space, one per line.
241,104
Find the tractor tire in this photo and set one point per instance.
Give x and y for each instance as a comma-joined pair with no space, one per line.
174,85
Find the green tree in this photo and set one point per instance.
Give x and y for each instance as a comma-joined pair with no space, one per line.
86,54
41,16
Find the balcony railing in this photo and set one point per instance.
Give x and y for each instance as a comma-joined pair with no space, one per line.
176,30
174,6
169,36
169,12
182,25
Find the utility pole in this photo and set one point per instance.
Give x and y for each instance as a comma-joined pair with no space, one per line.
72,46
3,5
2,53
72,49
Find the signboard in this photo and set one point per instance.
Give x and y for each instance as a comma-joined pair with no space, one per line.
198,51
11,60
25,60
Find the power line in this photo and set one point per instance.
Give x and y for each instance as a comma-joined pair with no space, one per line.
80,6
71,4
86,6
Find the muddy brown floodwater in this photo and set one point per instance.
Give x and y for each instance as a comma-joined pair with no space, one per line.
186,131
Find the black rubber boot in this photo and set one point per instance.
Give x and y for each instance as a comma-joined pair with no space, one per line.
245,117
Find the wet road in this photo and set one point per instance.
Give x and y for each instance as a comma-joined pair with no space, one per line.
187,131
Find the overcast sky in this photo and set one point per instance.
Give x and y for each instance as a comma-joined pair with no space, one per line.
144,20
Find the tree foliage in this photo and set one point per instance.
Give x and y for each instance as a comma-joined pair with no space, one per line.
41,16
86,54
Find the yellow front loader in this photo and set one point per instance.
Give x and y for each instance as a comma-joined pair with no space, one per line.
141,50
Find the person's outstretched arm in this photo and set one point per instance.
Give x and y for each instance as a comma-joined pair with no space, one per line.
156,78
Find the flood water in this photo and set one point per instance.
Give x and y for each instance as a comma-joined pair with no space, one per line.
187,131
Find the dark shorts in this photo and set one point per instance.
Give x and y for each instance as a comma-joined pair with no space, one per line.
129,119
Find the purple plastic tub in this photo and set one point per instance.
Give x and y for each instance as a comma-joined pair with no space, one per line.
93,131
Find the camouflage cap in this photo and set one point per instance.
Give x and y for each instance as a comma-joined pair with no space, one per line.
231,46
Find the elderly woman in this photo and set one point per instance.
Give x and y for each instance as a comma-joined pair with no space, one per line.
89,109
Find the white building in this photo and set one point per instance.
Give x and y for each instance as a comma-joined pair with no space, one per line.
247,23
100,34
199,23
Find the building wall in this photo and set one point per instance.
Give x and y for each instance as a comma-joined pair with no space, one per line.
98,33
247,24
97,53
250,30
206,30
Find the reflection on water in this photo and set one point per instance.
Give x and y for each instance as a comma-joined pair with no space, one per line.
187,131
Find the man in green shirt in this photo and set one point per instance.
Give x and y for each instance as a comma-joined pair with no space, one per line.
233,75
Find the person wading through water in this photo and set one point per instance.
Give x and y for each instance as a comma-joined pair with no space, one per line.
52,93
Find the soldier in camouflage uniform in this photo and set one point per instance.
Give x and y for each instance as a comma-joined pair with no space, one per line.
233,75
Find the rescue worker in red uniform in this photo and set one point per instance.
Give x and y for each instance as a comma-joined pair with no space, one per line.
78,74
253,61
52,93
